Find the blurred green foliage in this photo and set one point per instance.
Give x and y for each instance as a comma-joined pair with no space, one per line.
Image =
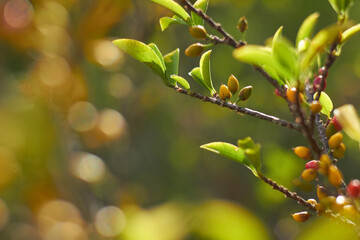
84,127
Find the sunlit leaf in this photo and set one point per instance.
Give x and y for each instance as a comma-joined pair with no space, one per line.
326,103
348,33
307,28
206,71
158,53
143,53
175,7
196,75
319,43
335,5
348,118
277,36
259,56
165,22
286,57
272,73
172,64
202,5
181,81
230,151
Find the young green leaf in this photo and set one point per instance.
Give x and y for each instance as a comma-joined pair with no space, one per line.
196,75
326,103
348,33
181,81
319,43
158,53
272,73
206,71
307,28
176,8
246,143
172,64
254,155
143,53
277,36
202,5
335,5
230,151
165,22
259,56
286,57
347,116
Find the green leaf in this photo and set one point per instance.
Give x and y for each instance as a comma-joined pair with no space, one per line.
348,118
158,53
143,53
172,64
307,28
272,73
252,151
196,75
230,151
348,33
326,103
176,8
206,72
335,5
319,43
285,55
165,22
259,56
181,81
246,143
277,36
202,5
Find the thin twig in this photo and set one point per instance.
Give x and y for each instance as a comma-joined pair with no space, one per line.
238,109
288,193
228,39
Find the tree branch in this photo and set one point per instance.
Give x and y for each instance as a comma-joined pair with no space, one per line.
238,109
228,39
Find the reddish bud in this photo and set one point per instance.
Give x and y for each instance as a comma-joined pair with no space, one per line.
317,82
337,125
353,188
314,164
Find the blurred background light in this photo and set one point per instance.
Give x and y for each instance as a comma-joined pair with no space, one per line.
110,221
88,167
18,13
82,116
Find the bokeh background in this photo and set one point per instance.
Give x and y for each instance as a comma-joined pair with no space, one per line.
94,146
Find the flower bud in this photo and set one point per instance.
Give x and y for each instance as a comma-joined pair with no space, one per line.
335,140
233,84
325,162
335,176
312,201
308,174
339,151
301,216
194,50
336,123
353,188
198,32
224,92
314,164
317,81
245,93
323,72
315,106
242,24
302,152
330,130
321,193
291,95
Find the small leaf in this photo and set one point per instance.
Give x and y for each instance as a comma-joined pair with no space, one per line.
165,22
277,36
326,103
172,64
335,5
196,75
158,53
348,118
272,73
230,151
307,28
286,57
181,81
259,56
206,72
319,43
348,33
246,143
202,5
176,8
254,155
143,53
